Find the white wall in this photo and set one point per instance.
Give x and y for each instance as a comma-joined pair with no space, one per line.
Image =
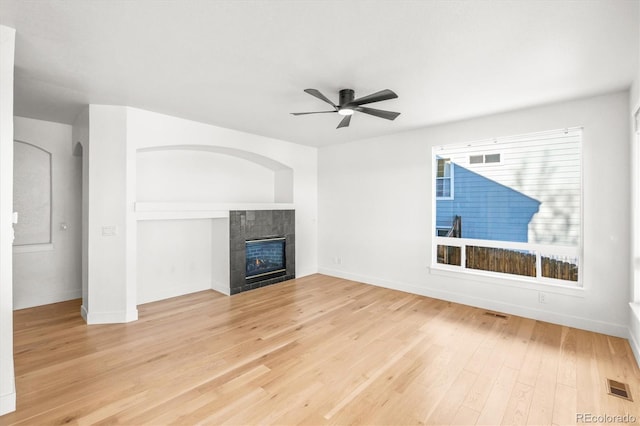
201,176
7,383
375,214
174,258
244,179
52,274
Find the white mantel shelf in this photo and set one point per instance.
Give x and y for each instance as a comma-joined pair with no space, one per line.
172,211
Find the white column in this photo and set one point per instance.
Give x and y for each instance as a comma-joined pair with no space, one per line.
7,379
111,225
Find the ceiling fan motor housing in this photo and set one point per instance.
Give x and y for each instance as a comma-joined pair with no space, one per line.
346,96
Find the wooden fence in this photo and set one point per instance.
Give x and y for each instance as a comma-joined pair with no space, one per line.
555,268
501,260
507,261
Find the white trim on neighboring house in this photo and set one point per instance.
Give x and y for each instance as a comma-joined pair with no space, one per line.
451,178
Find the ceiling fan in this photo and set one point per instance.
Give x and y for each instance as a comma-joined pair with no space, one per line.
347,105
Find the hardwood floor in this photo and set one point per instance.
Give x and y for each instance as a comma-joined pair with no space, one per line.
316,350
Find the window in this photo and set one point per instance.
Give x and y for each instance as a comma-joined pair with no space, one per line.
442,232
521,216
444,178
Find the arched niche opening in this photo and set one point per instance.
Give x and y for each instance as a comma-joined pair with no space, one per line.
200,173
77,149
32,194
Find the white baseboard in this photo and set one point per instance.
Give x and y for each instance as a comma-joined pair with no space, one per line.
45,298
84,314
113,317
634,330
168,293
221,287
523,311
635,347
8,403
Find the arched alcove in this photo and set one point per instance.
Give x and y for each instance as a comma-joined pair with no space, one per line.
201,173
32,194
77,149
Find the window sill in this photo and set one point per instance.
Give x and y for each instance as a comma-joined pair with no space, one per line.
507,281
32,248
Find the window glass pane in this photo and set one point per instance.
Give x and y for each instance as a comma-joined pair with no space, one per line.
443,187
520,191
449,255
444,167
560,267
446,190
529,192
517,262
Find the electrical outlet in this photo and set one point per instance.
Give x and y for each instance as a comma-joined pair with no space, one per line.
109,231
542,297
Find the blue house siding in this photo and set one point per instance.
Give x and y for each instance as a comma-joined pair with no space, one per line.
489,210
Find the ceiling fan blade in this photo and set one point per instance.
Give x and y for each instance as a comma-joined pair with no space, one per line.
345,122
382,95
313,112
389,115
317,94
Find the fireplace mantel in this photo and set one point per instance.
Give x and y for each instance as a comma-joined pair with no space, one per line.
195,210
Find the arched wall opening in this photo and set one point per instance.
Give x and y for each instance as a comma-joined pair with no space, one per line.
200,173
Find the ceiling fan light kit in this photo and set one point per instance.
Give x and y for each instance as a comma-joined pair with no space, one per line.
347,105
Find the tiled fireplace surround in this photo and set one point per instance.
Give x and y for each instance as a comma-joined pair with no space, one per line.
254,224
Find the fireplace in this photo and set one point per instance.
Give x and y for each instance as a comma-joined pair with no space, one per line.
262,248
265,259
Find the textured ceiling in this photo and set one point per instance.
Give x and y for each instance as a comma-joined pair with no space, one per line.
244,64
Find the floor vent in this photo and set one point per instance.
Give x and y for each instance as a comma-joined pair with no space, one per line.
497,315
621,390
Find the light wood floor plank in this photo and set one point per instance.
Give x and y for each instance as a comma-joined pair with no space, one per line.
517,410
315,350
